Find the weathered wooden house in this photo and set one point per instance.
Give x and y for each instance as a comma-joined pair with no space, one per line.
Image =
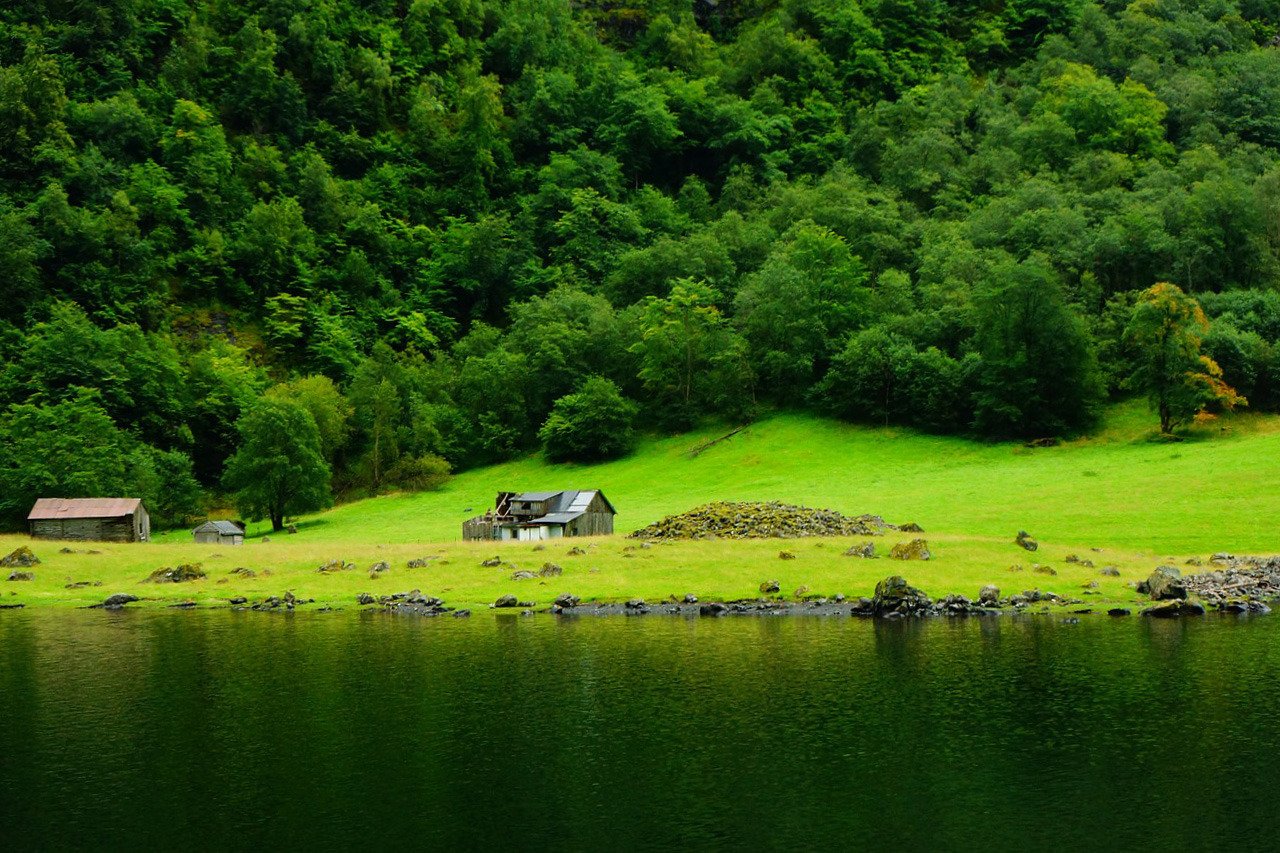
543,515
90,519
219,533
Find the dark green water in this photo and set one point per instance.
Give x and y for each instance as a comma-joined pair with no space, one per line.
213,730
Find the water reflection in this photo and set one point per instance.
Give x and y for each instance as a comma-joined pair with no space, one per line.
217,729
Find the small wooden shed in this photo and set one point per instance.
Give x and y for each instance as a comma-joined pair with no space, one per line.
90,519
219,533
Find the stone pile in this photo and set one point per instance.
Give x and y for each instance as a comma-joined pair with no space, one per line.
177,574
747,520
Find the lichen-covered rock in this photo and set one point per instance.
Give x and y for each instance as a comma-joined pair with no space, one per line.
865,550
365,598
550,570
916,549
1110,571
336,566
786,555
120,599
507,600
419,563
770,587
177,574
22,576
20,558
1025,541
895,595
492,563
1043,570
379,567
989,594
749,520
1164,584
566,600
575,551
1174,608
910,527
523,575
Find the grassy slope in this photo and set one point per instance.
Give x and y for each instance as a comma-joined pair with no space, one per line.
1138,500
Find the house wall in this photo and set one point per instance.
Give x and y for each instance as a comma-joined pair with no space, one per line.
122,529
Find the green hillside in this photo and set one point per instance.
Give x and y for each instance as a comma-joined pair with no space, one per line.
1117,488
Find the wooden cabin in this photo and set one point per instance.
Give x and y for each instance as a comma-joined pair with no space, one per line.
219,533
90,519
528,516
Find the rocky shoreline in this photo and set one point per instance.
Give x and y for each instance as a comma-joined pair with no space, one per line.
1228,585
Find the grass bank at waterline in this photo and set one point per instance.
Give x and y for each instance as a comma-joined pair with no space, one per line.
1115,499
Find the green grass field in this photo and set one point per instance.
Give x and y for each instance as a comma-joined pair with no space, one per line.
1138,502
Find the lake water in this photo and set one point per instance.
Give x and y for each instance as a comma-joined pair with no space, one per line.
244,730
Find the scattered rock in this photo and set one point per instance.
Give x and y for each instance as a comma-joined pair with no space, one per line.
1165,583
1119,611
120,599
768,587
238,600
492,562
801,592
865,550
82,584
523,575
575,551
68,551
550,570
566,600
336,566
714,608
20,558
1110,571
636,604
182,605
419,563
22,576
291,529
507,600
910,527
786,555
690,598
989,594
1195,561
1043,570
1017,567
1090,585
461,614
1024,540
916,549
178,574
365,598
378,568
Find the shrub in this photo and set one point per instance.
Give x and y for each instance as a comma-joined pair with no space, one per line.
593,424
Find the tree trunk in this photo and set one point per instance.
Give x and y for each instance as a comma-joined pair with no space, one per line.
277,521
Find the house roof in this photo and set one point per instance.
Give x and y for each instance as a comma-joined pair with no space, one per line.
226,528
562,507
551,518
55,508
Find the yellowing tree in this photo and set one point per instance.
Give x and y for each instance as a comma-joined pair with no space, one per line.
1167,329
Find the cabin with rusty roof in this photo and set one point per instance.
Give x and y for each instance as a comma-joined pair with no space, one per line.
528,516
90,519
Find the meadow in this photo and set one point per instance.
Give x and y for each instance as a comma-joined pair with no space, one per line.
1119,497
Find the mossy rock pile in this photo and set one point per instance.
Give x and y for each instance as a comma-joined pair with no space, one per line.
748,520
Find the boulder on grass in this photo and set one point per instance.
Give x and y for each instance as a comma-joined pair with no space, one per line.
916,549
1165,584
895,595
21,558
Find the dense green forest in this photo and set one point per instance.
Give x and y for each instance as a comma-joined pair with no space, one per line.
377,240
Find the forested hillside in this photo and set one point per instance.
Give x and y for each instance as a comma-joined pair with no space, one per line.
373,240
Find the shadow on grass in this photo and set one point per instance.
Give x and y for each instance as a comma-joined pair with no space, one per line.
300,526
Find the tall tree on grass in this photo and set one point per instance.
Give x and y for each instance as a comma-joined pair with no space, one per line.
591,425
1167,330
1040,372
279,469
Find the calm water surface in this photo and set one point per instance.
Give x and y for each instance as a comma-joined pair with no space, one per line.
199,730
